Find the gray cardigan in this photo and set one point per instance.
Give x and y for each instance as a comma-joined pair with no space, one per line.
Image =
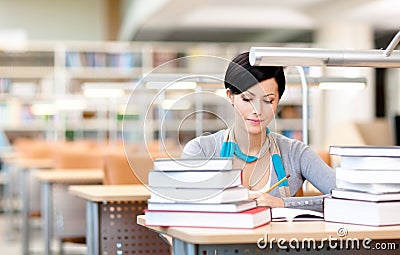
298,160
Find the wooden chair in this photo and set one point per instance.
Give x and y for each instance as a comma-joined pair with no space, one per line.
69,212
117,170
31,148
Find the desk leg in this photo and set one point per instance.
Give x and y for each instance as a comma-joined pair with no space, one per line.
25,228
183,248
47,211
9,171
92,228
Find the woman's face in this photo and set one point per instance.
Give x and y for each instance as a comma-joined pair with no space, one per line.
256,107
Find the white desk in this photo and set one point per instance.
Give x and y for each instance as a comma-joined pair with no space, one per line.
61,177
191,241
111,217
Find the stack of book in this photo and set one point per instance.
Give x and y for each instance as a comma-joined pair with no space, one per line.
368,186
201,193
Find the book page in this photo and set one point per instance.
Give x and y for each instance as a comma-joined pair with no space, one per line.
292,214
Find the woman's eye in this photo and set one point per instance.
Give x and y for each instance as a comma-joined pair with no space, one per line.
246,99
268,101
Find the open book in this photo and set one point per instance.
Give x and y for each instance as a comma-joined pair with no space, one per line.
292,214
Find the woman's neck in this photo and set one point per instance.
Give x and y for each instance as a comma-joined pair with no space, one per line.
249,143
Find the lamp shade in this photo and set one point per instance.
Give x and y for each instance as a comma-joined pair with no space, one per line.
280,56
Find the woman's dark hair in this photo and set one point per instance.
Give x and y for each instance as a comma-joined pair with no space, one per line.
240,75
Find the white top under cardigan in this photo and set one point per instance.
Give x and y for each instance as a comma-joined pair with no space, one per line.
298,160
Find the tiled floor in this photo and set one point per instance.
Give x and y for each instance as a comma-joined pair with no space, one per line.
10,235
8,243
10,239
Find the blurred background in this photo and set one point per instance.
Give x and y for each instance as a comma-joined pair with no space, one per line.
58,57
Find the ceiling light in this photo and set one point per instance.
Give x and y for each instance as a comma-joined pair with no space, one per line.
180,85
172,104
43,109
342,83
103,93
70,104
106,89
179,80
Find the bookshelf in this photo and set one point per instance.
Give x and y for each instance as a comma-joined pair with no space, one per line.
55,75
25,76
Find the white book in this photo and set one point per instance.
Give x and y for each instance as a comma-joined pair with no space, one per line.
192,195
195,179
367,151
375,188
370,163
365,196
248,219
361,212
201,207
368,176
177,164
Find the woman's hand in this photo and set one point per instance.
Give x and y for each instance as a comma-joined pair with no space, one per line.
263,199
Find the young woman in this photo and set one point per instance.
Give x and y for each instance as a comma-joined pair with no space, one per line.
264,156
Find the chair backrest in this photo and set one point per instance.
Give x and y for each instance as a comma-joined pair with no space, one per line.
325,156
78,157
69,211
117,169
141,163
378,132
34,148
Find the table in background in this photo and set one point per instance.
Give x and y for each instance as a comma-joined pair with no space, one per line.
25,166
48,180
191,241
111,219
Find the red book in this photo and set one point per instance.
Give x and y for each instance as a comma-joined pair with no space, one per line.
247,219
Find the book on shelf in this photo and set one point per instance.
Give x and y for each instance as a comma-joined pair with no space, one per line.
170,164
73,59
195,179
365,196
5,85
248,219
100,59
90,59
370,163
374,188
362,212
126,60
197,207
294,214
193,195
365,151
368,176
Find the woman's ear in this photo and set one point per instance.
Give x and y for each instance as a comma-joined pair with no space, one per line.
229,95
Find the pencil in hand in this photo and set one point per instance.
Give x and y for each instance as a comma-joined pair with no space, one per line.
276,184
